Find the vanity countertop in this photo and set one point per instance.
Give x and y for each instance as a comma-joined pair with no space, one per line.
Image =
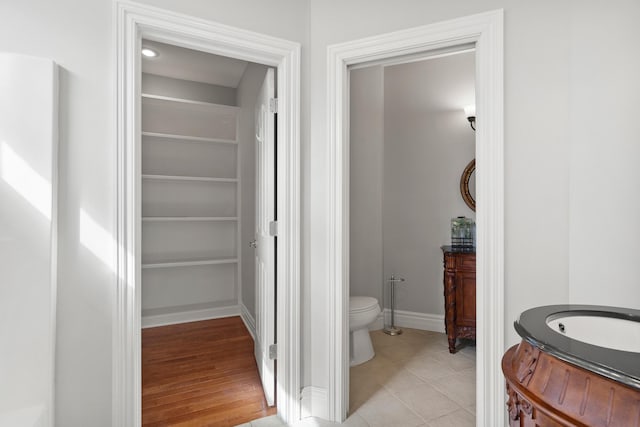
621,366
455,249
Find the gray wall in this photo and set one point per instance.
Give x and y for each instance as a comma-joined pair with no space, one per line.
248,91
410,142
167,86
428,143
365,192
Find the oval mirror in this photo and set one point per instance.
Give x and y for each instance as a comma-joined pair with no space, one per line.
468,185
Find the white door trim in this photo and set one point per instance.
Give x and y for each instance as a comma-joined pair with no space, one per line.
133,22
485,30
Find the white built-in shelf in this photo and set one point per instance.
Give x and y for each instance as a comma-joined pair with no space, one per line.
170,264
188,218
187,178
209,105
191,203
187,138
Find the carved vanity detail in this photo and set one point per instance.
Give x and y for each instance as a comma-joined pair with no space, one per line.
554,380
459,294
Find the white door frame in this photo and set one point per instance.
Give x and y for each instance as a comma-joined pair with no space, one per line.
485,30
134,22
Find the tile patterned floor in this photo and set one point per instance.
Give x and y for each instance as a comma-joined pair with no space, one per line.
412,381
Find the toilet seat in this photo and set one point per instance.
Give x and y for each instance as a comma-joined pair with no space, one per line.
360,304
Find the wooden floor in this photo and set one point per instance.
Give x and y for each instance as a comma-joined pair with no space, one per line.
200,374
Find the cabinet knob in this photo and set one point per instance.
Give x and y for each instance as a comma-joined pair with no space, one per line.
253,244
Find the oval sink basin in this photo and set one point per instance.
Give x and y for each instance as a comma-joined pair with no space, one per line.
606,332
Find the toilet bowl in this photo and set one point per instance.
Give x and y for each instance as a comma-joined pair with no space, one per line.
362,312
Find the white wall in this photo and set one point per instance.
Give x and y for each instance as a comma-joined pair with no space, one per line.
570,141
549,130
605,148
248,91
28,233
80,37
537,65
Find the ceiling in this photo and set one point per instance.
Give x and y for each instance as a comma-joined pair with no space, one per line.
186,64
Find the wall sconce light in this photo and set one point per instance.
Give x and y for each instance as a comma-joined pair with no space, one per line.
470,112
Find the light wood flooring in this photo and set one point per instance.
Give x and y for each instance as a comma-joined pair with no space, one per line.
200,374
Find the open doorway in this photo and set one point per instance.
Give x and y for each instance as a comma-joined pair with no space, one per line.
136,23
207,157
409,143
484,33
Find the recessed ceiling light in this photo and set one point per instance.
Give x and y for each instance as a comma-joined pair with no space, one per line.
149,53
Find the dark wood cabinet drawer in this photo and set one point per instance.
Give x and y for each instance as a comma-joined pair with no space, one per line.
467,262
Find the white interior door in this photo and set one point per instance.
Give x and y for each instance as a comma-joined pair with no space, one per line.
265,240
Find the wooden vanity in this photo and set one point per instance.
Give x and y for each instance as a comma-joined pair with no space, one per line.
459,294
553,380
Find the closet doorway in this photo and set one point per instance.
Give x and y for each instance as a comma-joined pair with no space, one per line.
207,186
137,24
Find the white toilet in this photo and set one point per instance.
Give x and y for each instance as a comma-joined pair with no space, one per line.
362,312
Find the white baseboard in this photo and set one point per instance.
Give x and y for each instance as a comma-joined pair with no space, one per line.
314,403
248,320
189,316
411,319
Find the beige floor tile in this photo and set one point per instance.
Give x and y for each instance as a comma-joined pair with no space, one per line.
460,388
380,339
414,336
427,402
379,369
398,353
431,349
315,422
414,381
355,420
402,380
379,361
428,368
460,418
467,350
385,410
272,421
361,389
456,361
471,372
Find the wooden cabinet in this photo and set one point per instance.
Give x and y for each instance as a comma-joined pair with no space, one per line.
459,294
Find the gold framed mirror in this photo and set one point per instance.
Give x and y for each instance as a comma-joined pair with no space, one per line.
468,185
